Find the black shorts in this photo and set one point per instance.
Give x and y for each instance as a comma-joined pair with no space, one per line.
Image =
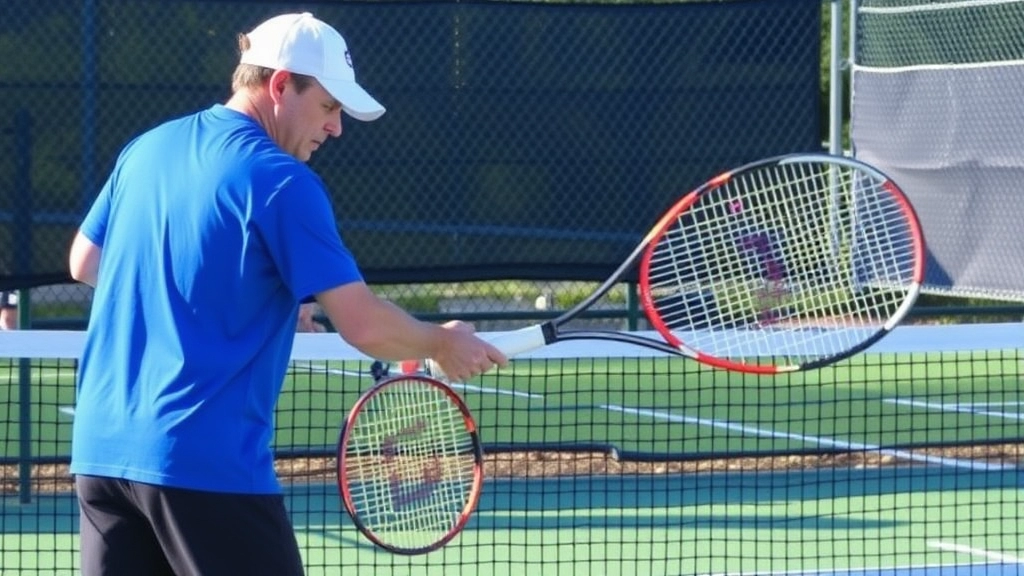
133,528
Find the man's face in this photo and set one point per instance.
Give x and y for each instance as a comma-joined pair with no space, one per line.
306,120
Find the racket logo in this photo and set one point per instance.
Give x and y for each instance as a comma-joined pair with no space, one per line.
405,493
770,298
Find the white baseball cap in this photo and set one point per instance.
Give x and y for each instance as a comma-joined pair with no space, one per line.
302,44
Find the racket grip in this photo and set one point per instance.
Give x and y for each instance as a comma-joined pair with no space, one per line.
511,344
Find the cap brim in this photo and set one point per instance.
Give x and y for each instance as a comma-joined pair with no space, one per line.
355,101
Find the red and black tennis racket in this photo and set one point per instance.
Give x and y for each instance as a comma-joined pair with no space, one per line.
785,264
410,464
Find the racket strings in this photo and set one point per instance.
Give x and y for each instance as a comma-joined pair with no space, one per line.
803,260
411,464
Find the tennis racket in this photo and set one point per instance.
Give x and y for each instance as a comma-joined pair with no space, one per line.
410,464
789,263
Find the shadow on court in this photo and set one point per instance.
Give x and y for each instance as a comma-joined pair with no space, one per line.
638,501
45,514
613,501
701,502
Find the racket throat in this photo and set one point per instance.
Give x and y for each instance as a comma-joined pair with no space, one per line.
549,332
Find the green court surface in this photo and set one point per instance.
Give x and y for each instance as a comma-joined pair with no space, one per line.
728,523
901,459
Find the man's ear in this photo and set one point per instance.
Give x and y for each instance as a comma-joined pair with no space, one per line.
278,83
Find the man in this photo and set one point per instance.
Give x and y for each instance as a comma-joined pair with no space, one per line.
8,310
307,321
208,233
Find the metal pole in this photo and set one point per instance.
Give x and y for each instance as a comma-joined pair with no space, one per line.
23,266
836,68
835,125
852,59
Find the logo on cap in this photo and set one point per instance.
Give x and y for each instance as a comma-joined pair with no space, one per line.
348,59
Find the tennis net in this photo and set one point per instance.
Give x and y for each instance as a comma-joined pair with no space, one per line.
609,459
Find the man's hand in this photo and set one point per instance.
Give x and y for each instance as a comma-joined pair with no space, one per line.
461,355
306,322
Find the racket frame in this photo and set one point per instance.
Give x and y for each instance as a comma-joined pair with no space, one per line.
345,435
549,332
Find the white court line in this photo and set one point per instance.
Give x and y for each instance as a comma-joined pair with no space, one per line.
70,410
335,371
816,440
471,388
455,385
991,555
956,407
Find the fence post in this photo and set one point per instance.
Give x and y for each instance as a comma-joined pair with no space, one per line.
22,212
22,227
90,62
632,306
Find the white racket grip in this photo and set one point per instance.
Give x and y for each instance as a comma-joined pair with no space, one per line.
511,344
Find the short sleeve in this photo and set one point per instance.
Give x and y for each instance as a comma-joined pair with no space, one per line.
298,228
94,226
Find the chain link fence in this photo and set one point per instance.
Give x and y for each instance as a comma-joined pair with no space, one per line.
526,149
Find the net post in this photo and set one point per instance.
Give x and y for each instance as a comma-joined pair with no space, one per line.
24,431
24,405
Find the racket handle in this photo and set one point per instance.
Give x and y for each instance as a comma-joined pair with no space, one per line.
511,344
519,341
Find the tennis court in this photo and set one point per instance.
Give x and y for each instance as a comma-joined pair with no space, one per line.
613,460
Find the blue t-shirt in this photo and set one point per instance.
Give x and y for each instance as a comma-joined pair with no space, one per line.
210,236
